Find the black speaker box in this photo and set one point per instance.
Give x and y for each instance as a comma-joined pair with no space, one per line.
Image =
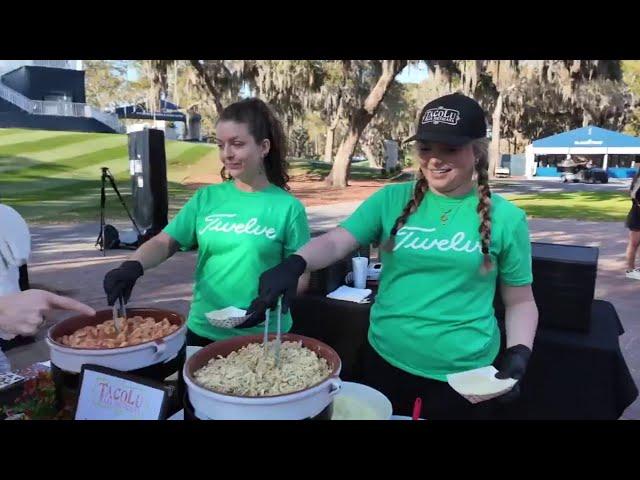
148,168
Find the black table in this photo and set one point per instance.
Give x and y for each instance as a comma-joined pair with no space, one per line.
571,375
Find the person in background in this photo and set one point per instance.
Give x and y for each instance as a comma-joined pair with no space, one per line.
633,224
23,313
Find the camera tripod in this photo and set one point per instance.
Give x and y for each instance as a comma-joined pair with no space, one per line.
106,174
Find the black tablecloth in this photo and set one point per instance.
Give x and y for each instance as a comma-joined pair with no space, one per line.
571,375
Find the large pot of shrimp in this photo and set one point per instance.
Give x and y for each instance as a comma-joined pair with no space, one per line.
148,336
242,379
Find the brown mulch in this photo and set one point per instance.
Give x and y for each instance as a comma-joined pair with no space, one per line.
310,188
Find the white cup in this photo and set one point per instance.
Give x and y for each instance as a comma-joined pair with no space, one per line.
360,267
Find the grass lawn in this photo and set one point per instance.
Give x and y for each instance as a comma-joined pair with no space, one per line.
51,176
591,205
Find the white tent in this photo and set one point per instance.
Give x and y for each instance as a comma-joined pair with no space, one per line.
583,141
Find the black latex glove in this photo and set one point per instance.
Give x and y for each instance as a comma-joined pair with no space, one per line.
258,312
120,281
512,363
279,280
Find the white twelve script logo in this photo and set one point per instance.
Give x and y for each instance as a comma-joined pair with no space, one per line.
220,222
417,238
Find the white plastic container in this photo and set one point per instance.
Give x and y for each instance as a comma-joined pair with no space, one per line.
124,359
367,403
360,267
293,406
307,403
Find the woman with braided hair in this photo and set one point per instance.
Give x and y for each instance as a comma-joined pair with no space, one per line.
446,242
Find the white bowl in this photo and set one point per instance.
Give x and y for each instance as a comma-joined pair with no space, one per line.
360,402
133,357
307,403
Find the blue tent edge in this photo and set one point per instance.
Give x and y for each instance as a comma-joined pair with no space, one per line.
588,137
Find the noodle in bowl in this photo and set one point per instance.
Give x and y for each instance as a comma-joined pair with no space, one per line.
233,379
125,358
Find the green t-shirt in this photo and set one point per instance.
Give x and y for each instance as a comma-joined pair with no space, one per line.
239,235
433,314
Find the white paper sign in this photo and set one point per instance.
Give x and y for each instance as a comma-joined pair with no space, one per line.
108,397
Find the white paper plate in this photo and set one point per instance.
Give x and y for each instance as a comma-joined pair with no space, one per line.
480,381
223,318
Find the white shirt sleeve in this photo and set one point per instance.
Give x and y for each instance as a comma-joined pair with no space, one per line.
15,239
15,249
5,365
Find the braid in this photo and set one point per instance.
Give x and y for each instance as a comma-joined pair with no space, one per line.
484,207
412,205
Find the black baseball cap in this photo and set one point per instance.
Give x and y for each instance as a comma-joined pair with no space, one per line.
453,119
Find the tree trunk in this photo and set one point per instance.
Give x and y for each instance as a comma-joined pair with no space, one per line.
213,90
328,145
338,177
331,130
494,149
374,161
176,100
157,74
153,98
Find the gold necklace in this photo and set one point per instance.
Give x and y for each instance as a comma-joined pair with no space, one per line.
444,217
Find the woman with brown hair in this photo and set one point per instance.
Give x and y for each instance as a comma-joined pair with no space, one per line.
446,242
241,227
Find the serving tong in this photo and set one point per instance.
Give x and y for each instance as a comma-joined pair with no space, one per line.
278,341
119,310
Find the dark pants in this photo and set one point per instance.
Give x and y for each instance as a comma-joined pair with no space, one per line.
633,217
195,340
439,400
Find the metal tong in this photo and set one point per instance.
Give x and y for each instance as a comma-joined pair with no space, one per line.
278,331
120,311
